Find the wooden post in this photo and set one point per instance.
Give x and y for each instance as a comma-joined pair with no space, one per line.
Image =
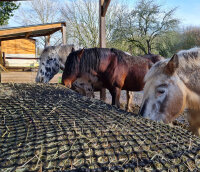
102,40
1,58
102,27
64,34
47,40
4,59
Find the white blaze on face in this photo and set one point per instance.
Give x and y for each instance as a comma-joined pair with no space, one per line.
155,92
163,98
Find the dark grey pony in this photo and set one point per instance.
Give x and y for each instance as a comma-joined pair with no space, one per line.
52,59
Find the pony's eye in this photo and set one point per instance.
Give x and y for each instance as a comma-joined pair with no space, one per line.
159,92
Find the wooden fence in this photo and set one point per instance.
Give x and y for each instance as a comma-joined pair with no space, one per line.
23,77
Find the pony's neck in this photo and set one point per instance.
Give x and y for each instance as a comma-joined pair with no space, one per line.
62,65
61,57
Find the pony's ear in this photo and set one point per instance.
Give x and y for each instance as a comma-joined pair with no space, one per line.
171,65
80,53
72,50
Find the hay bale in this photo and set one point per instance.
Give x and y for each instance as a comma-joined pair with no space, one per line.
49,127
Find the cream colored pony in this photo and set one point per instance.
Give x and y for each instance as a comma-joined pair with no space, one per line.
173,85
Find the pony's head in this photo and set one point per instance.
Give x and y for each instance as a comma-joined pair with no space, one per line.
164,96
84,87
72,68
52,60
49,65
154,57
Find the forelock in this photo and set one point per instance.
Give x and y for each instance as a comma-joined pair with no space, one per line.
156,69
48,51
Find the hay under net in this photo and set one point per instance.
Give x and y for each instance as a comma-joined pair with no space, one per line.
51,128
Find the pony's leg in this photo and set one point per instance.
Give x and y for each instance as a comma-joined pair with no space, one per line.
129,98
103,94
115,92
194,121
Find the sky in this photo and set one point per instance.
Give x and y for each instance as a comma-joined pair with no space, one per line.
188,11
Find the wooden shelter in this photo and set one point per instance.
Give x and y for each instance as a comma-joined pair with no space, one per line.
24,33
19,53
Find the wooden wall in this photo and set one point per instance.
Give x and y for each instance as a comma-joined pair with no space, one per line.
19,46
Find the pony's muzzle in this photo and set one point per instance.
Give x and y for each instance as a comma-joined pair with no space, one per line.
68,86
142,109
39,79
67,83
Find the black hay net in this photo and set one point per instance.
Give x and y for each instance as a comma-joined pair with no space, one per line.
51,128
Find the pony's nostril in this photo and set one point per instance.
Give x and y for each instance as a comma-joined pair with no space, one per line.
142,109
68,86
141,112
36,79
41,79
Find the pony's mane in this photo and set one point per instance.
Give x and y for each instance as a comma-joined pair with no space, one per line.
156,69
48,49
89,60
60,49
189,55
91,57
130,60
185,57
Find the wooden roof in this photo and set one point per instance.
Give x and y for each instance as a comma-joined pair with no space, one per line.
30,31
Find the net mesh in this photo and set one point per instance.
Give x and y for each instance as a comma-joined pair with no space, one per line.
50,128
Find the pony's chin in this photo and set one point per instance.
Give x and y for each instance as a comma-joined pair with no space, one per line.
42,80
156,117
37,80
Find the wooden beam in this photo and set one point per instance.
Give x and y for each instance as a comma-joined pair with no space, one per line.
47,41
102,32
4,69
28,34
4,59
1,58
11,38
31,35
104,7
102,40
29,29
64,35
23,58
102,27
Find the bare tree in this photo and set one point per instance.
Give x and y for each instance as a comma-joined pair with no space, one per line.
40,12
145,23
82,18
190,37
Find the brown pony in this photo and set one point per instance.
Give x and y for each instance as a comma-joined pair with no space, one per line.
114,69
129,94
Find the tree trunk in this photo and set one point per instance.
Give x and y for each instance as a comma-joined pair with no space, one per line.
148,47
